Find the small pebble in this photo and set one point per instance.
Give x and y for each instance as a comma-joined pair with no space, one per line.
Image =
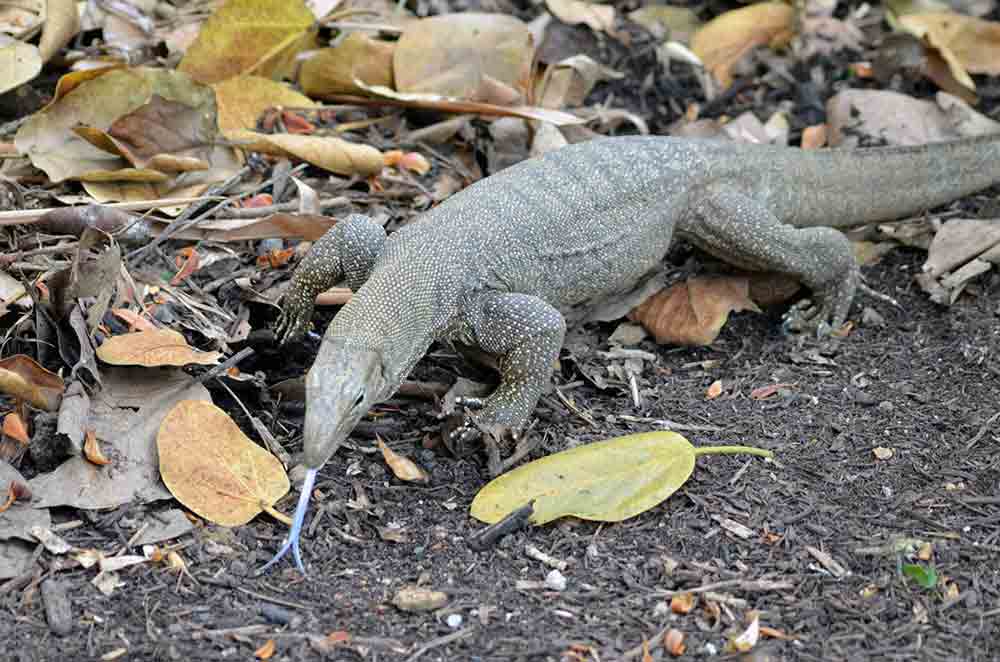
58,608
556,581
454,621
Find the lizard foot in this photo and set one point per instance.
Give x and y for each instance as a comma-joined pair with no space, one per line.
462,431
296,318
828,312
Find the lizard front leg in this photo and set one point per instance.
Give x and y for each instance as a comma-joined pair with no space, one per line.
347,252
741,230
526,334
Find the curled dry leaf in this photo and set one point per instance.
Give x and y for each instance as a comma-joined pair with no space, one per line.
673,642
714,390
211,467
693,313
971,43
413,161
92,449
266,651
153,349
402,467
14,427
724,40
683,603
328,152
22,377
747,639
416,598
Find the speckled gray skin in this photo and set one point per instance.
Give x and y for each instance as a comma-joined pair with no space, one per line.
504,263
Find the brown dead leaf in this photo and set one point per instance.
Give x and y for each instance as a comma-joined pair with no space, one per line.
358,57
188,262
14,427
53,137
471,56
258,37
814,137
693,312
673,642
412,161
152,349
92,449
211,467
973,43
402,467
774,633
683,603
714,390
327,152
135,321
765,392
22,377
724,40
266,652
599,18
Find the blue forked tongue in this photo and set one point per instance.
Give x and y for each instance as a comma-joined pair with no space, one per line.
292,541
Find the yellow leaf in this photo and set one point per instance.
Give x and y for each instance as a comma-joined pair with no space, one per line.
153,348
243,99
327,152
330,71
725,39
599,18
250,36
210,466
608,481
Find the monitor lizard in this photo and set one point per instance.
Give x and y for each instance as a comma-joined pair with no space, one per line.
503,264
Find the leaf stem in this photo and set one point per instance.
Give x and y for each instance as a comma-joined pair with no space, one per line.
732,450
278,515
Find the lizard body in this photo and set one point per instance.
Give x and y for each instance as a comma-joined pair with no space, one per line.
505,263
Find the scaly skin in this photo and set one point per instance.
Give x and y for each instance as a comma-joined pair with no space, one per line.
506,263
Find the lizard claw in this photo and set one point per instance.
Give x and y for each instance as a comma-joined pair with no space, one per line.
295,320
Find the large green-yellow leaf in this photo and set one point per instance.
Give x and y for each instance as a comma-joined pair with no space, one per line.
608,481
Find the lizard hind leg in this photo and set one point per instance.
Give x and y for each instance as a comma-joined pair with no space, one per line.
526,333
741,230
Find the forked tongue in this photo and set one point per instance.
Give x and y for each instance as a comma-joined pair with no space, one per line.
292,541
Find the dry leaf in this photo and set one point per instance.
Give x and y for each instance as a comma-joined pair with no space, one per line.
693,313
714,390
259,37
242,100
882,453
357,57
62,23
599,18
266,652
412,161
21,63
683,603
416,598
211,467
152,349
328,152
747,639
724,40
814,137
22,377
673,642
14,427
469,55
765,392
402,467
972,44
92,449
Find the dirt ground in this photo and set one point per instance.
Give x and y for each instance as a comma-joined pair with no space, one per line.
820,557
925,385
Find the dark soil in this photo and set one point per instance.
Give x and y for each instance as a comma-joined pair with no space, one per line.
925,385
820,565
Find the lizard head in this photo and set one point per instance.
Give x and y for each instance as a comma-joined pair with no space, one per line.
343,383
